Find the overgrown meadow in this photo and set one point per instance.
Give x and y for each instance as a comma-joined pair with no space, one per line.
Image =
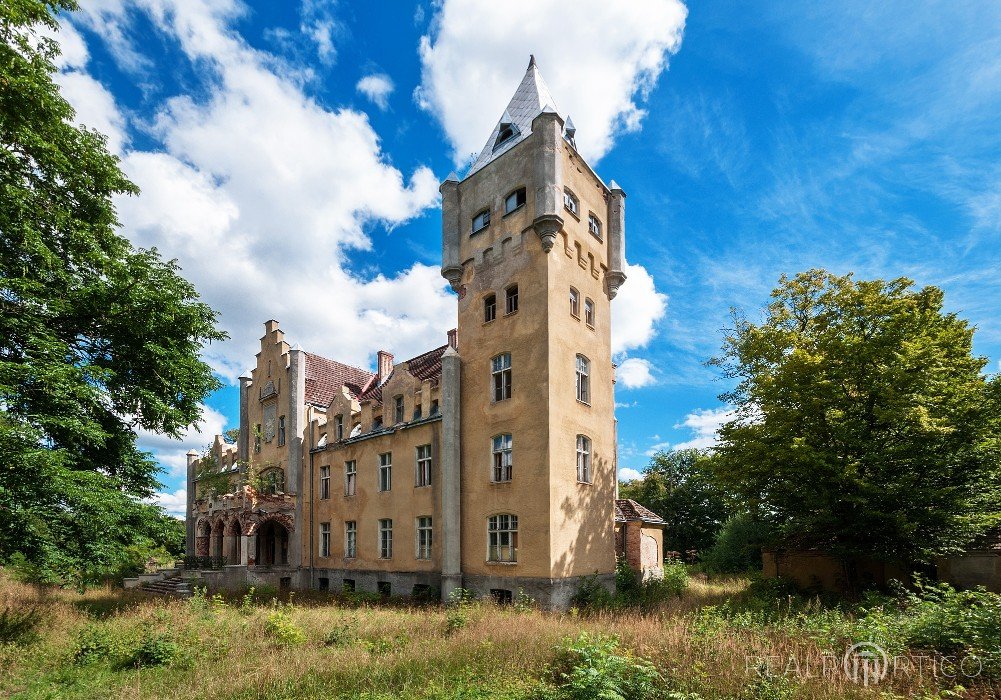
724,638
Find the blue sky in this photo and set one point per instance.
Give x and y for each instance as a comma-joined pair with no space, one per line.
289,155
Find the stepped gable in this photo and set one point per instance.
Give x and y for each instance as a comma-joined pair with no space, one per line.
425,367
325,377
627,509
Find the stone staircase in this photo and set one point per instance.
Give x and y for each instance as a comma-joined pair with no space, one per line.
165,582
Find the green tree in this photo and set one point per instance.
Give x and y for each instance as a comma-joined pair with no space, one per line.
865,425
681,488
99,338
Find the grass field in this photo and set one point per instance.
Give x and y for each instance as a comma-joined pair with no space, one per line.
704,644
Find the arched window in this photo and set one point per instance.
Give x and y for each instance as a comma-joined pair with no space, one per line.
589,312
502,537
511,301
584,459
583,379
273,481
481,220
574,303
501,453
570,202
489,308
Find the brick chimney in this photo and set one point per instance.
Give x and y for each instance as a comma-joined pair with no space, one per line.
385,365
453,338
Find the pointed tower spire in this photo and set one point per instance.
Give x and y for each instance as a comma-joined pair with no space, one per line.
531,99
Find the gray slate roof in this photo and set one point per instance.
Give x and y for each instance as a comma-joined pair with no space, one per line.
531,99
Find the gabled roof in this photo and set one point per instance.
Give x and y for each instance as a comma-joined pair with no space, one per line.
531,99
424,367
627,509
324,378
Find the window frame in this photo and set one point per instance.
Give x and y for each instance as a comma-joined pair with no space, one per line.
570,198
500,527
501,458
423,465
590,312
483,216
490,308
424,535
351,477
350,539
399,409
511,300
385,472
593,222
324,550
385,538
339,426
583,379
502,378
281,431
575,303
325,482
518,205
585,450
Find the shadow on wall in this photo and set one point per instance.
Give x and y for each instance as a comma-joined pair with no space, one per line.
589,511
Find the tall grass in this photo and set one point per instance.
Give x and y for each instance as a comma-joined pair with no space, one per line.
115,644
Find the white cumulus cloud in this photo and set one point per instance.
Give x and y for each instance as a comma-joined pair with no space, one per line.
377,87
704,423
636,310
175,504
634,373
599,58
627,474
171,453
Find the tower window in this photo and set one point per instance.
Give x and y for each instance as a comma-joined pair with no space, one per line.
502,457
584,459
583,379
511,294
594,226
506,132
386,471
514,200
501,370
502,538
490,308
570,202
574,303
589,312
481,220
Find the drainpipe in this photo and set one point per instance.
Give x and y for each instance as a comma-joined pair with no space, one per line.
312,503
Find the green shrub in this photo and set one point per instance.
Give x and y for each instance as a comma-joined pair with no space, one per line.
95,643
154,650
675,579
738,546
592,595
593,667
19,626
342,634
282,630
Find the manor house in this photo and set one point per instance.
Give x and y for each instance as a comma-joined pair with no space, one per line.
487,463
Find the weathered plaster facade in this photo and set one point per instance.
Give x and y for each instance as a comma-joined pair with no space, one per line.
531,220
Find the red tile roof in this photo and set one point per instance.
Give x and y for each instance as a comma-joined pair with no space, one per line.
627,509
324,378
424,367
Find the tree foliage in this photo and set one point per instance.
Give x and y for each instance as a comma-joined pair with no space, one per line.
100,338
865,424
680,487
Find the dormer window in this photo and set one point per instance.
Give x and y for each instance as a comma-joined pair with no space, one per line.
570,202
515,200
505,133
481,220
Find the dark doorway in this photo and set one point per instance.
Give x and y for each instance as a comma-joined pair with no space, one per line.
272,544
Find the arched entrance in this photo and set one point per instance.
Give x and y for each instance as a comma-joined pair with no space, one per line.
217,538
234,542
272,544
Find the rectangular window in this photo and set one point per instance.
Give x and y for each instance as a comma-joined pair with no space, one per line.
385,588
583,459
501,370
502,538
257,438
339,427
502,469
398,409
351,541
386,539
481,220
589,312
570,202
594,226
583,380
501,596
511,299
423,465
281,430
490,308
350,478
324,539
514,200
324,483
348,585
574,303
386,471
424,537
323,583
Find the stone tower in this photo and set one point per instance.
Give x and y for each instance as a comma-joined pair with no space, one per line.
532,242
